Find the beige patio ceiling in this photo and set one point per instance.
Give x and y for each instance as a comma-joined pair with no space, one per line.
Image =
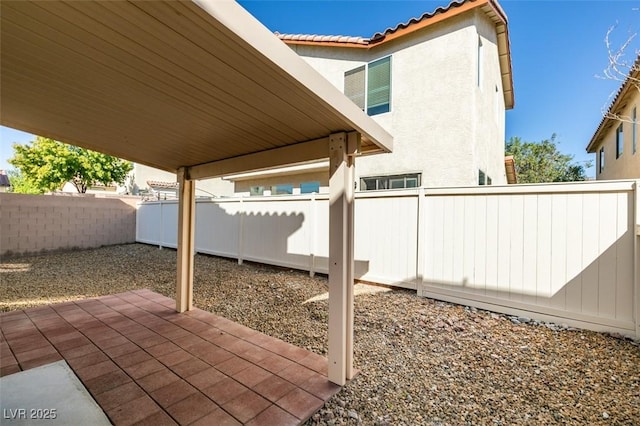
168,84
199,88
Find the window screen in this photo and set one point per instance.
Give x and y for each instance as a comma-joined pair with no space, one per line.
379,86
634,130
354,86
619,141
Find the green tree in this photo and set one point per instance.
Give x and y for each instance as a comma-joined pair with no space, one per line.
538,162
21,185
48,164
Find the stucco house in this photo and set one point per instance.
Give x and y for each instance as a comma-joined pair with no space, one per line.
615,141
440,83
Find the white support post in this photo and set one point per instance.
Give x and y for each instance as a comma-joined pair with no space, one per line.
186,241
353,149
341,172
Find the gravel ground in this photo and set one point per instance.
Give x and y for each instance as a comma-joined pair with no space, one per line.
421,361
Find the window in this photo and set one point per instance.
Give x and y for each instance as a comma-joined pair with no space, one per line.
256,190
374,183
354,83
601,160
479,70
483,179
309,187
281,189
634,130
619,141
369,86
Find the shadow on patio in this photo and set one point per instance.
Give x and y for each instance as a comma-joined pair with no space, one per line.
146,364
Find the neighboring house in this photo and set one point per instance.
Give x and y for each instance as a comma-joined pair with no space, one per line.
162,185
5,184
615,141
439,83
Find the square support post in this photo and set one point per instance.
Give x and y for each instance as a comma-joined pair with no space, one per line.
342,150
186,241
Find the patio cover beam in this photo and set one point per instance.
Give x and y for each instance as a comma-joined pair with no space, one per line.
302,152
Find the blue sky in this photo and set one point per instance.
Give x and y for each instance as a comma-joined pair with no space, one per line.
557,50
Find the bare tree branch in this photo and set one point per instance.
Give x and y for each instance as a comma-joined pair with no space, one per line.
624,67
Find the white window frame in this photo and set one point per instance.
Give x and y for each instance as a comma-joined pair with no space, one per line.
619,141
634,130
366,83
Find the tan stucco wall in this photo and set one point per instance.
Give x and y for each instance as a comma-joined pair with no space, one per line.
443,125
628,165
37,223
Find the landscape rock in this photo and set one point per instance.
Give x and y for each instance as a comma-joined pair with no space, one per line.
420,361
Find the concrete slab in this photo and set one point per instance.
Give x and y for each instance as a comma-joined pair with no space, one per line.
51,395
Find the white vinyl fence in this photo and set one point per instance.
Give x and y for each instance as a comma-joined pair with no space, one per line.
562,252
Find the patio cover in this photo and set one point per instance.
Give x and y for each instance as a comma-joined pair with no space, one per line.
198,88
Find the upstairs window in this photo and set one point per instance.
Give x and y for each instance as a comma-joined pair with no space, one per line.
634,130
479,64
482,178
619,141
601,160
354,84
369,86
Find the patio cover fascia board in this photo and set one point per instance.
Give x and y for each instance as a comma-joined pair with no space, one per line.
199,88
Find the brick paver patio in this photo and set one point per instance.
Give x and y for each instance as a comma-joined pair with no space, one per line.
146,364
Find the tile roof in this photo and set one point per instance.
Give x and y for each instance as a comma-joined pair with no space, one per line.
162,185
625,87
380,36
314,38
417,20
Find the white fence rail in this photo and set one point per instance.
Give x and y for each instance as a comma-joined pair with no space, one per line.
561,252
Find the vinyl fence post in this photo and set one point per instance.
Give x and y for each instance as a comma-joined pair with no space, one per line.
420,242
636,256
241,230
312,235
161,227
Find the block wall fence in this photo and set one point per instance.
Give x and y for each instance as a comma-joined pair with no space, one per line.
42,223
